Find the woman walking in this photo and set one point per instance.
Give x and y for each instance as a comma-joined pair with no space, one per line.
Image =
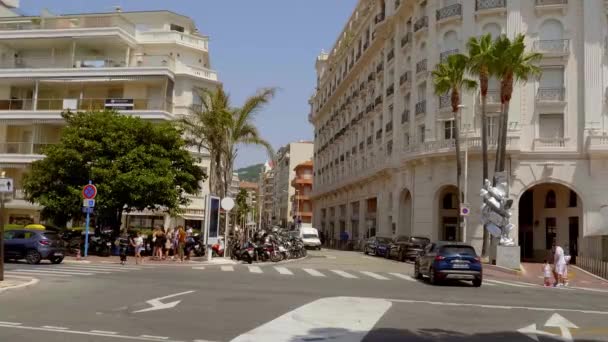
138,246
169,244
181,240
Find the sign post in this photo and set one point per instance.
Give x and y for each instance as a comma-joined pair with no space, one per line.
6,187
227,205
88,193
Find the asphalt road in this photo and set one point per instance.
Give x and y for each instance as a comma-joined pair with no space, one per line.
331,296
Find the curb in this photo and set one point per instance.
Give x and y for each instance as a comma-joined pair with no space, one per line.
590,274
504,269
33,281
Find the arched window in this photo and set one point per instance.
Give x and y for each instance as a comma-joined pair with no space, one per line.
449,201
493,29
450,41
551,30
550,199
573,200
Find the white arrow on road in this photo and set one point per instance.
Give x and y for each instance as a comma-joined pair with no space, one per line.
158,305
555,321
533,333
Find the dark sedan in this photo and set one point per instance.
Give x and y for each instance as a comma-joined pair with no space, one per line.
377,246
407,247
449,260
33,246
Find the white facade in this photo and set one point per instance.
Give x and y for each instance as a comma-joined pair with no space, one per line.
287,158
155,60
384,158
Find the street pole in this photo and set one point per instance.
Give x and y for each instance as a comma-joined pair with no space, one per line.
466,181
1,236
226,235
297,209
86,235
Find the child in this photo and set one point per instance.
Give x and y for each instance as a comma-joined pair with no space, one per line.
547,273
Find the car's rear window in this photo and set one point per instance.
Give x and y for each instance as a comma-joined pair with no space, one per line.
383,240
462,250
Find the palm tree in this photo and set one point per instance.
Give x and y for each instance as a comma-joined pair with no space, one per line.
513,64
481,60
450,77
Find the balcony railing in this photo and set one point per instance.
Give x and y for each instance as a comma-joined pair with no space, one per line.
421,66
445,101
181,37
481,5
88,62
421,23
406,39
444,55
551,2
100,104
449,11
555,142
67,22
421,107
16,104
405,116
551,94
552,46
22,147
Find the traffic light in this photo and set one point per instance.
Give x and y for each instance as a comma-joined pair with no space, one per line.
496,211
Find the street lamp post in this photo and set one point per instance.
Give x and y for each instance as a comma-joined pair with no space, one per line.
466,174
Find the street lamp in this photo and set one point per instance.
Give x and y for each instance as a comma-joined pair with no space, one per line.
466,173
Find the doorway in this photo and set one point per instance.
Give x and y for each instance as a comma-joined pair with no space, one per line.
573,237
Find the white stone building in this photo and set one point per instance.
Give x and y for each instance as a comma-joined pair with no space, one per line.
152,61
384,158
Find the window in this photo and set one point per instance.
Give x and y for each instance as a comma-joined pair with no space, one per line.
551,126
422,91
572,200
550,199
176,28
450,201
493,29
421,133
406,139
450,41
551,30
492,127
550,232
552,78
449,130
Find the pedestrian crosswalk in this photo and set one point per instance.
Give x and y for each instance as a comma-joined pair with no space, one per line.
70,270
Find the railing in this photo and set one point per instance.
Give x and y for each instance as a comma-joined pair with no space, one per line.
555,142
405,78
421,23
481,5
184,38
87,62
99,104
598,141
199,71
449,11
421,66
421,107
16,104
552,46
142,60
405,116
551,94
445,101
406,39
22,147
65,22
444,55
593,265
551,2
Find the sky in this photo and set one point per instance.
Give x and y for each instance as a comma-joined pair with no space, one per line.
253,44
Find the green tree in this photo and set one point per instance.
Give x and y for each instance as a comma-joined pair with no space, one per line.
513,64
449,77
480,62
136,165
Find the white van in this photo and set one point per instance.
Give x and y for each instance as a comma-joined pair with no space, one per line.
310,237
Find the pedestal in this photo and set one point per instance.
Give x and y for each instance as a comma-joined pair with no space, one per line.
508,257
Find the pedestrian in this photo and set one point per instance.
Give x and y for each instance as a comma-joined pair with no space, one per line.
123,243
181,236
169,243
559,262
547,273
138,246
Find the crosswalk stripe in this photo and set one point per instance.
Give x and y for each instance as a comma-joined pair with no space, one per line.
101,268
313,272
283,270
60,270
75,269
374,275
255,269
227,268
53,272
345,274
105,267
506,283
403,276
36,274
198,268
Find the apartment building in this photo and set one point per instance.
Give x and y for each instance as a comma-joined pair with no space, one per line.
149,64
302,184
384,142
252,201
287,158
266,193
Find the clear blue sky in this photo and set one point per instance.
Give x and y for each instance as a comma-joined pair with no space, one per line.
253,44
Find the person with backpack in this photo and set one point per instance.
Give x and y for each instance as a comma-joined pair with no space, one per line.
122,242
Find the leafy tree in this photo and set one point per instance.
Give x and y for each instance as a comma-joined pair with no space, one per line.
242,208
450,77
135,164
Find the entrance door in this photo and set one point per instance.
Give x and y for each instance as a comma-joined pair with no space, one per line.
573,237
450,228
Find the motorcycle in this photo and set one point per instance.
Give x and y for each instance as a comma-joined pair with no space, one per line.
195,245
101,245
246,253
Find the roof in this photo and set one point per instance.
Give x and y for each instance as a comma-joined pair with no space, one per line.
248,185
307,163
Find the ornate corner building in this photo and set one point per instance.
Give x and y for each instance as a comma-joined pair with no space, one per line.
384,142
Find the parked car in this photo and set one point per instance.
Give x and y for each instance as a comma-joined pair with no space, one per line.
33,246
377,245
407,247
449,260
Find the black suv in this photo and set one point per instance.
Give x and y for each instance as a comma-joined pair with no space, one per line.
33,246
407,247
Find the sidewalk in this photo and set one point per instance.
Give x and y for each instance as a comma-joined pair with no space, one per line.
532,273
93,259
16,282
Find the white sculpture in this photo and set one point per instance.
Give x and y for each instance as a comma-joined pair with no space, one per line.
495,211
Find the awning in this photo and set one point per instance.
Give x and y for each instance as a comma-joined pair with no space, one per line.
193,217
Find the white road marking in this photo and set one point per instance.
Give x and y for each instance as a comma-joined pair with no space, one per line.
104,332
95,268
345,274
86,333
52,272
374,275
156,303
255,269
198,268
403,276
54,327
10,323
283,270
155,337
313,272
74,269
227,268
336,319
505,283
36,274
588,289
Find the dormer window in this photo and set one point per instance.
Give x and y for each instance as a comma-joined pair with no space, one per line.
176,28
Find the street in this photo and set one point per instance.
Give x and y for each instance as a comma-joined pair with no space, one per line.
331,295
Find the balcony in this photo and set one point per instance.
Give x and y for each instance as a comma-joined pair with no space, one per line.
421,67
554,47
23,148
421,108
181,38
379,134
405,80
490,6
406,39
443,57
597,144
552,95
420,24
81,24
449,13
550,143
379,18
390,90
492,97
405,116
445,102
551,5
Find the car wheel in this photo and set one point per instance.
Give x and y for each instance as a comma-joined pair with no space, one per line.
33,257
417,273
477,282
432,277
56,260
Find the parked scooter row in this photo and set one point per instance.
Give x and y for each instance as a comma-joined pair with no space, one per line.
275,246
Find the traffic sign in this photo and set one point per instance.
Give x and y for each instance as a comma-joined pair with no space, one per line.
88,203
227,203
89,191
87,210
464,210
6,185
